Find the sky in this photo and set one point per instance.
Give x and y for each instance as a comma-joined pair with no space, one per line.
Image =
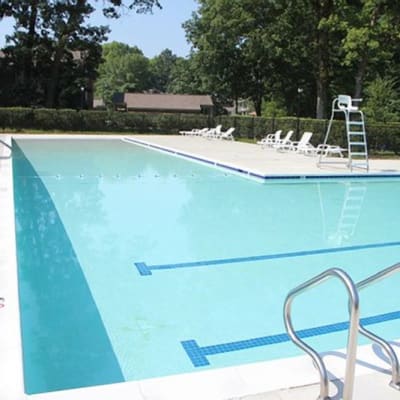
151,33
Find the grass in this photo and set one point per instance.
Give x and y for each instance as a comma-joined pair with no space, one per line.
246,140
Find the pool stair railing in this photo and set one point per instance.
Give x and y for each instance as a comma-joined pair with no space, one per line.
385,345
352,335
2,142
355,133
355,326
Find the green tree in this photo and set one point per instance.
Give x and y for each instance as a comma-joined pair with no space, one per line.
63,31
216,32
273,109
111,8
383,100
318,30
161,68
124,69
186,78
255,48
373,33
41,50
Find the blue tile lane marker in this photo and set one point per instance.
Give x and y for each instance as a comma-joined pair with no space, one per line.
145,269
142,268
198,355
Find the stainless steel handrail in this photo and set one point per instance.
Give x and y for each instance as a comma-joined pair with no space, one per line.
352,337
395,382
5,144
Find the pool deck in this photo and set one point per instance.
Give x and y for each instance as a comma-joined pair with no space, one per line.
11,381
285,379
263,162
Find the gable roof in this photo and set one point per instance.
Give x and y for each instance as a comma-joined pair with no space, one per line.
166,102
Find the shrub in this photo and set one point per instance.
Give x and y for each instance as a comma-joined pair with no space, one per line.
380,137
16,118
383,101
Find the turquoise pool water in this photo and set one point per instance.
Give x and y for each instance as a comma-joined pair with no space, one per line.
219,254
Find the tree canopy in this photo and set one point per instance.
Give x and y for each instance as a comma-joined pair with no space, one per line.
291,56
124,69
272,50
54,53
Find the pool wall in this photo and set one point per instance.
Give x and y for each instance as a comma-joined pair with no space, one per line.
11,381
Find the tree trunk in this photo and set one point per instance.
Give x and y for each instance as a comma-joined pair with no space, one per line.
31,39
28,58
54,77
73,22
257,102
324,9
359,79
322,92
362,65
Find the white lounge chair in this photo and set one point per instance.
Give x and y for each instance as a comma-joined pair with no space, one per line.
282,143
303,146
194,132
270,139
227,135
329,150
213,132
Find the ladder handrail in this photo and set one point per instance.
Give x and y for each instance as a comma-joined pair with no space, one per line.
353,330
394,362
2,156
5,144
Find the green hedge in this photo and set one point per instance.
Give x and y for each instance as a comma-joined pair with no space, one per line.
381,137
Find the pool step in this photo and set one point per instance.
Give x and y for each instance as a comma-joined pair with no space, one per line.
366,387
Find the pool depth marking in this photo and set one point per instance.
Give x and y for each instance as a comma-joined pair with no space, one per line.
198,354
145,269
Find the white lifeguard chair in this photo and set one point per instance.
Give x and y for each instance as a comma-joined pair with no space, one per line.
355,132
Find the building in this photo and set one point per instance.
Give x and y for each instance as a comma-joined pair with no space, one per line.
163,102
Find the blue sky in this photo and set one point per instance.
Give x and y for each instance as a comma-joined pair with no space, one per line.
152,33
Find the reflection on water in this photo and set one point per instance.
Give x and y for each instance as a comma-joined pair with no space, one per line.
352,204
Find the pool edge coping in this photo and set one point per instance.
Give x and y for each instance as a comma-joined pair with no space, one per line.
11,369
249,173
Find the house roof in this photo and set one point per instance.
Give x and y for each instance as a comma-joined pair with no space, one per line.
164,101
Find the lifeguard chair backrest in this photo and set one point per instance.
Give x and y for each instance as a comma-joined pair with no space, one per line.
345,102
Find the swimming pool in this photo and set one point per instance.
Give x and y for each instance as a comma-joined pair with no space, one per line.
165,266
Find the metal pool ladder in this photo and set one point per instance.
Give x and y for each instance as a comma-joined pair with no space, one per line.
352,336
2,142
5,144
384,273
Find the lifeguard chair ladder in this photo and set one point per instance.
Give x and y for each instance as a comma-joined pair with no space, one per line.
355,132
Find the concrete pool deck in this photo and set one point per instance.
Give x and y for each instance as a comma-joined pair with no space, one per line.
266,162
286,379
